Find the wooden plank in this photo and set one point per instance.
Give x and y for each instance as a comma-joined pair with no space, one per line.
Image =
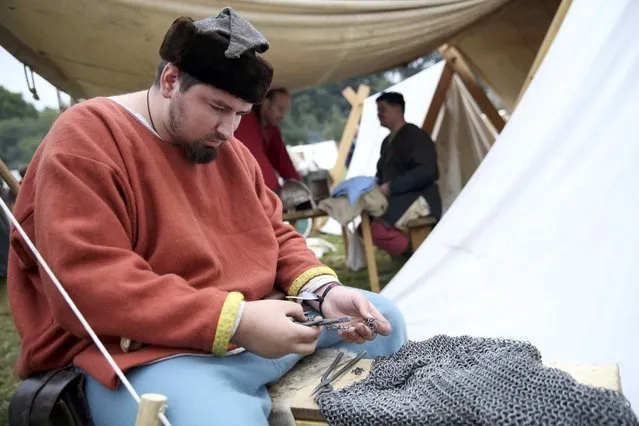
459,66
302,214
418,235
350,96
345,239
8,177
558,19
600,375
306,411
421,221
357,107
304,407
309,423
438,100
369,250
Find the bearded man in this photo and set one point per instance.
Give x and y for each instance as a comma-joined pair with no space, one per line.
158,223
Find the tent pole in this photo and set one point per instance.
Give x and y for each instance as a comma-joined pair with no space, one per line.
357,107
438,100
545,45
150,408
460,67
8,177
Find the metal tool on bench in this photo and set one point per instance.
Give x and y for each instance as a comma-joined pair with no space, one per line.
325,384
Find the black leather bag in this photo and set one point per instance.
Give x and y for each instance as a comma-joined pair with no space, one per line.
55,398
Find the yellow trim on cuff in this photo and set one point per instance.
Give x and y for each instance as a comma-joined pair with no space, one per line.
226,322
308,275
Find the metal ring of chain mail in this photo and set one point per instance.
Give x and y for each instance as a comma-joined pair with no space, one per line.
471,381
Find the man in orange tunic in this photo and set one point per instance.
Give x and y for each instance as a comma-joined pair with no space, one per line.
160,227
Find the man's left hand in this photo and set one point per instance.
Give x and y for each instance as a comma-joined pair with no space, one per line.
385,188
342,301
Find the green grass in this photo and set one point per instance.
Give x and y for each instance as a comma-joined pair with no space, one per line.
387,267
9,343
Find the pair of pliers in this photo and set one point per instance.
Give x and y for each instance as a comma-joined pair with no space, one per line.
325,383
314,322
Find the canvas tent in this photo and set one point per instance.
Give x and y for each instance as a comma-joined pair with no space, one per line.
313,156
103,47
542,243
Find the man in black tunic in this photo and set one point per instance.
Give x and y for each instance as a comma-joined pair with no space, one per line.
407,174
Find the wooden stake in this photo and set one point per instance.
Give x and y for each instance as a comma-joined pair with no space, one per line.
369,250
545,45
357,107
151,405
438,100
8,177
459,66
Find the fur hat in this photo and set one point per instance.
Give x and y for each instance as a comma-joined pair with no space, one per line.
222,51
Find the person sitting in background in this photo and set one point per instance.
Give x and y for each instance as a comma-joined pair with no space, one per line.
261,134
407,174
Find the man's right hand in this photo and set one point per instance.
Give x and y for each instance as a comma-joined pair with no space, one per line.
266,329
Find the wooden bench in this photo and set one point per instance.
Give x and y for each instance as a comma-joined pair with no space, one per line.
419,229
306,411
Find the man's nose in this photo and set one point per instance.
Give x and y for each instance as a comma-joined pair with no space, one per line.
227,127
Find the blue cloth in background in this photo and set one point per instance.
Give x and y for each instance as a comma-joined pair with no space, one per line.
353,188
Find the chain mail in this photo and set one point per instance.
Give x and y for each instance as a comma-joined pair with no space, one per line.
471,381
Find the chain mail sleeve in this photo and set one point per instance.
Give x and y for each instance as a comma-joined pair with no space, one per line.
471,381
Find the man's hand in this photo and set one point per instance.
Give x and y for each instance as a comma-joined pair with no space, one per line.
342,301
385,188
266,329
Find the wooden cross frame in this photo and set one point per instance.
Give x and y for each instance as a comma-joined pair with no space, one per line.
357,107
456,65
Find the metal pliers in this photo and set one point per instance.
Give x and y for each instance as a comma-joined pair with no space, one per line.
325,383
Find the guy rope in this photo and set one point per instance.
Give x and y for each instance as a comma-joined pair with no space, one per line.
151,406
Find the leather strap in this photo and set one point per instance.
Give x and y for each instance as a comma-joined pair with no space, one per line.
53,399
325,292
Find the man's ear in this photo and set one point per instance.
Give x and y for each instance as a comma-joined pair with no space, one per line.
169,80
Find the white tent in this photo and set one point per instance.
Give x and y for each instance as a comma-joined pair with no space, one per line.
542,243
313,156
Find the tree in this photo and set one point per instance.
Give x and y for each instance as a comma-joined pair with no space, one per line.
13,106
320,113
22,128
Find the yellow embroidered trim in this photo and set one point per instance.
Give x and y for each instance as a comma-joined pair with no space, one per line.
308,275
226,322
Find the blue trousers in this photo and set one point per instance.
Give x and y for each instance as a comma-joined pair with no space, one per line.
212,390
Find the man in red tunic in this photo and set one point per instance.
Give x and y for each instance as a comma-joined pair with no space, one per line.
159,225
260,132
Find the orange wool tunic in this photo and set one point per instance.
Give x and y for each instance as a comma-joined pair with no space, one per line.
148,245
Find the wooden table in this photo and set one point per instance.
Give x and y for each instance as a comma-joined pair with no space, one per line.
367,236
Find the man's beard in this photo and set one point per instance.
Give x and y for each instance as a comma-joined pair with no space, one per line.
195,151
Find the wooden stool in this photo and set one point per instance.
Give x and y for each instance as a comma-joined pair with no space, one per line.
419,229
306,411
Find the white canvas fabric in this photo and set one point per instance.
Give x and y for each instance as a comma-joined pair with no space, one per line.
542,243
105,47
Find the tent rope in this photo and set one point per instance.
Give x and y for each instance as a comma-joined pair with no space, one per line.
76,311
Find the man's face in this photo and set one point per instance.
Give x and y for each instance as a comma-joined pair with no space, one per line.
387,113
202,118
275,110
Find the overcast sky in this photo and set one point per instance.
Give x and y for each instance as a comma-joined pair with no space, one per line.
12,78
